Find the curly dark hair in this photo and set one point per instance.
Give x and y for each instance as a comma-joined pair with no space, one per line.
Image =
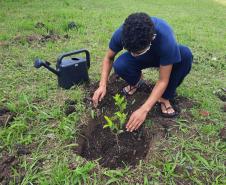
137,33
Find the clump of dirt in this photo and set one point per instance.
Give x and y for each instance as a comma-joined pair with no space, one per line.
222,97
7,163
221,94
224,107
39,25
126,148
35,38
42,38
70,107
22,149
72,25
5,117
223,133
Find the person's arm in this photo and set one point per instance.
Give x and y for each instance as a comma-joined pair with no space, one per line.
106,69
138,117
159,88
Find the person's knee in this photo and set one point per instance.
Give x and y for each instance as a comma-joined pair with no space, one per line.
186,54
186,57
119,66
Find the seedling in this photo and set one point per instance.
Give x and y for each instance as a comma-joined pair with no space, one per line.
116,122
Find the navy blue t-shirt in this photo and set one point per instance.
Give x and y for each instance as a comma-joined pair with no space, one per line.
164,46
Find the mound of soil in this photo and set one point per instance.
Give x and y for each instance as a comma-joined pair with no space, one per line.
128,148
5,117
35,38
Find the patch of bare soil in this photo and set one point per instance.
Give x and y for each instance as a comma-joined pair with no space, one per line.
22,149
224,107
128,148
7,164
35,38
221,94
223,133
69,107
5,117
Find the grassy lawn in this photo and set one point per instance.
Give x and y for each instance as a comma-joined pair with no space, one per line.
194,155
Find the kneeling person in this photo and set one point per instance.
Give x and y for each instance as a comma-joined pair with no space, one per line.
150,42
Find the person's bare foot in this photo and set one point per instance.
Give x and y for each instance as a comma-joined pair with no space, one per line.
130,90
166,108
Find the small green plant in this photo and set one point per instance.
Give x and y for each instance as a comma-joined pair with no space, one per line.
116,122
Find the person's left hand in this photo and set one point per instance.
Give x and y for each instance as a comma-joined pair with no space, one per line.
136,119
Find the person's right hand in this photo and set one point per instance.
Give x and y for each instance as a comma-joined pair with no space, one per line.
99,95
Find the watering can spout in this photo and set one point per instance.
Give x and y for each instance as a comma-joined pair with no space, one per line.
39,63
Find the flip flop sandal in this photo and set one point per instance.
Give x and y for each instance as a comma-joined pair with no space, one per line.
167,115
138,85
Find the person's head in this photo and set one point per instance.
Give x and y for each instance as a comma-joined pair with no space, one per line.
137,34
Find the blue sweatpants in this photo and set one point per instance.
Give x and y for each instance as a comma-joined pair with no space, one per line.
129,68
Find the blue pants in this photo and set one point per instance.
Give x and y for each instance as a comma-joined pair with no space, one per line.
129,68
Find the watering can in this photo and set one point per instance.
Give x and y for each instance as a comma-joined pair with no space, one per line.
69,70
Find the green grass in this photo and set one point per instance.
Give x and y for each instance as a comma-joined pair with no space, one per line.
196,155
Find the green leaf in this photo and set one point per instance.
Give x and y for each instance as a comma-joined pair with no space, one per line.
120,131
109,123
106,126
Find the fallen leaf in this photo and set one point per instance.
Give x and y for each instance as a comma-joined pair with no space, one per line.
204,113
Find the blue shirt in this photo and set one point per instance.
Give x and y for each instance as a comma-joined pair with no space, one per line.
164,47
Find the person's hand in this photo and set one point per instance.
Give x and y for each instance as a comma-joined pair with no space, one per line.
136,119
99,95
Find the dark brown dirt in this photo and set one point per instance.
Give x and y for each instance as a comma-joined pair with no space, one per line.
221,94
5,117
70,107
126,148
222,97
42,38
223,133
35,38
22,149
7,163
224,107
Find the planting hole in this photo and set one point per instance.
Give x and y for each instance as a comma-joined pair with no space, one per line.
127,148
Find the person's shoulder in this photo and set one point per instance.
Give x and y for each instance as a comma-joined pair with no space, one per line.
165,37
118,31
161,26
116,40
158,20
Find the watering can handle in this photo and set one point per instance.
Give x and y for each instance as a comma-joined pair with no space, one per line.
73,53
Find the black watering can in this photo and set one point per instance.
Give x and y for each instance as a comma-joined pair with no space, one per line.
70,71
